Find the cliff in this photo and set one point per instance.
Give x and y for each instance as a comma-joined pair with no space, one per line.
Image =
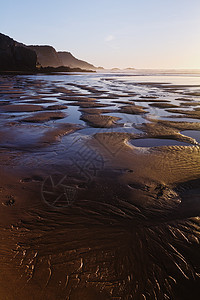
15,56
46,56
70,61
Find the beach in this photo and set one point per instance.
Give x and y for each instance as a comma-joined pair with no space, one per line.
99,188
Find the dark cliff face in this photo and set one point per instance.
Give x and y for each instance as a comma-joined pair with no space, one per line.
70,61
46,56
15,56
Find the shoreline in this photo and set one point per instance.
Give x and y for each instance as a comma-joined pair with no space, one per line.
46,71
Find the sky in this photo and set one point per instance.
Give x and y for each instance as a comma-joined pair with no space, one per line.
146,34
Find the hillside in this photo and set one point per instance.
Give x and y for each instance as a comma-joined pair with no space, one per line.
70,61
15,56
46,56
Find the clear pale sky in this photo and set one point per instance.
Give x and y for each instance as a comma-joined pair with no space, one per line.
110,33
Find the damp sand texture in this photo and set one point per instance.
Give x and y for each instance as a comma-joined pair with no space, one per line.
99,187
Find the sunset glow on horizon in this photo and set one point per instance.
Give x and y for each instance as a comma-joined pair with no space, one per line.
139,34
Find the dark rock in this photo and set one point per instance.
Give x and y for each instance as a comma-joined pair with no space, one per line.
15,56
10,201
33,178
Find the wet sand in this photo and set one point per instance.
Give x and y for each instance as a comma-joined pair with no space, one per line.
89,215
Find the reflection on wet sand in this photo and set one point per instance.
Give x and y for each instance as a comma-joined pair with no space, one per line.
86,212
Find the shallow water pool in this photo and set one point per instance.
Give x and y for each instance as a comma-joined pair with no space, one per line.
152,142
